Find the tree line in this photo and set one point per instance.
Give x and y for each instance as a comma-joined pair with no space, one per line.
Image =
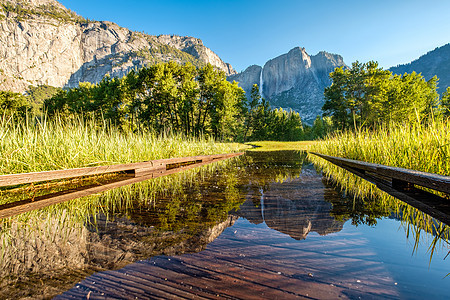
180,98
366,95
200,101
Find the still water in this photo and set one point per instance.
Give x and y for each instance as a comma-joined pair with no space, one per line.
263,226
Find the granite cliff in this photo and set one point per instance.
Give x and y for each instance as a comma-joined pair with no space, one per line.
293,80
42,42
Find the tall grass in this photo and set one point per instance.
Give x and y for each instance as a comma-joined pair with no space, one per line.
60,144
412,146
422,147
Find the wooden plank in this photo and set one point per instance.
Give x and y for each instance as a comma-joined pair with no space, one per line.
23,178
15,208
141,167
429,180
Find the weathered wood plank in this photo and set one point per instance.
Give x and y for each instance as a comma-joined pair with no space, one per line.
15,208
429,180
140,168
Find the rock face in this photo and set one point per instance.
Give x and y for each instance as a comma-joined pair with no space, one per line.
42,42
436,62
294,80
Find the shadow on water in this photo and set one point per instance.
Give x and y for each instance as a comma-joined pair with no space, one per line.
183,214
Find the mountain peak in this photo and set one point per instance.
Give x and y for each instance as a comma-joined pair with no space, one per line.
294,80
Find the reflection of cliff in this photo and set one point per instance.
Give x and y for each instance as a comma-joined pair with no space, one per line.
62,260
294,208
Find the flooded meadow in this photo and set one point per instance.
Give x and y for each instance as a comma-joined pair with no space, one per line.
265,225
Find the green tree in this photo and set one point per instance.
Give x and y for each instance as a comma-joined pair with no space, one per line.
366,95
444,106
13,104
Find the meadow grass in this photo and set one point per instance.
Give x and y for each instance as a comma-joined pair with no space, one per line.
416,146
412,146
276,146
422,147
61,144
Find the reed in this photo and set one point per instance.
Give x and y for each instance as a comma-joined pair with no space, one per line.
418,146
415,146
60,144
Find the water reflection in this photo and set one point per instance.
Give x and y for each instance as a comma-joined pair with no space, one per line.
183,214
270,252
295,207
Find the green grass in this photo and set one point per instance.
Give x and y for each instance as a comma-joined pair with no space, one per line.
412,146
276,146
61,144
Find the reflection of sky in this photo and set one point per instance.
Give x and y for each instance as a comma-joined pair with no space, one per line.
381,255
412,271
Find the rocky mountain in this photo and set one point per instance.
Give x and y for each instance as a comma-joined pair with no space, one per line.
42,42
294,80
436,62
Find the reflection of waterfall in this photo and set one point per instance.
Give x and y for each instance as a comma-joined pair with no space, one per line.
262,203
261,83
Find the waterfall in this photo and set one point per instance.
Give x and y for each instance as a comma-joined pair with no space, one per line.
261,83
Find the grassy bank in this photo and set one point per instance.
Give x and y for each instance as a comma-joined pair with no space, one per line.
57,144
416,146
276,146
62,228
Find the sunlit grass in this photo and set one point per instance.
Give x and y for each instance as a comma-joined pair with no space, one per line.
276,146
61,144
412,146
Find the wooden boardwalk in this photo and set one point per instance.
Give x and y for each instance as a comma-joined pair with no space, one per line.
401,183
138,169
135,172
250,264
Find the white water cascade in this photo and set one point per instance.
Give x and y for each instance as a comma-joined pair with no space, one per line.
261,83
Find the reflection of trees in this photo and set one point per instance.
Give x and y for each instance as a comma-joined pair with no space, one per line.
196,204
366,210
167,215
259,169
358,210
292,196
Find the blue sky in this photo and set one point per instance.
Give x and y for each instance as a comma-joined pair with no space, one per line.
250,32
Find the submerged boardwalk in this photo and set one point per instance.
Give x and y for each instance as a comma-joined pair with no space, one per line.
401,183
134,173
